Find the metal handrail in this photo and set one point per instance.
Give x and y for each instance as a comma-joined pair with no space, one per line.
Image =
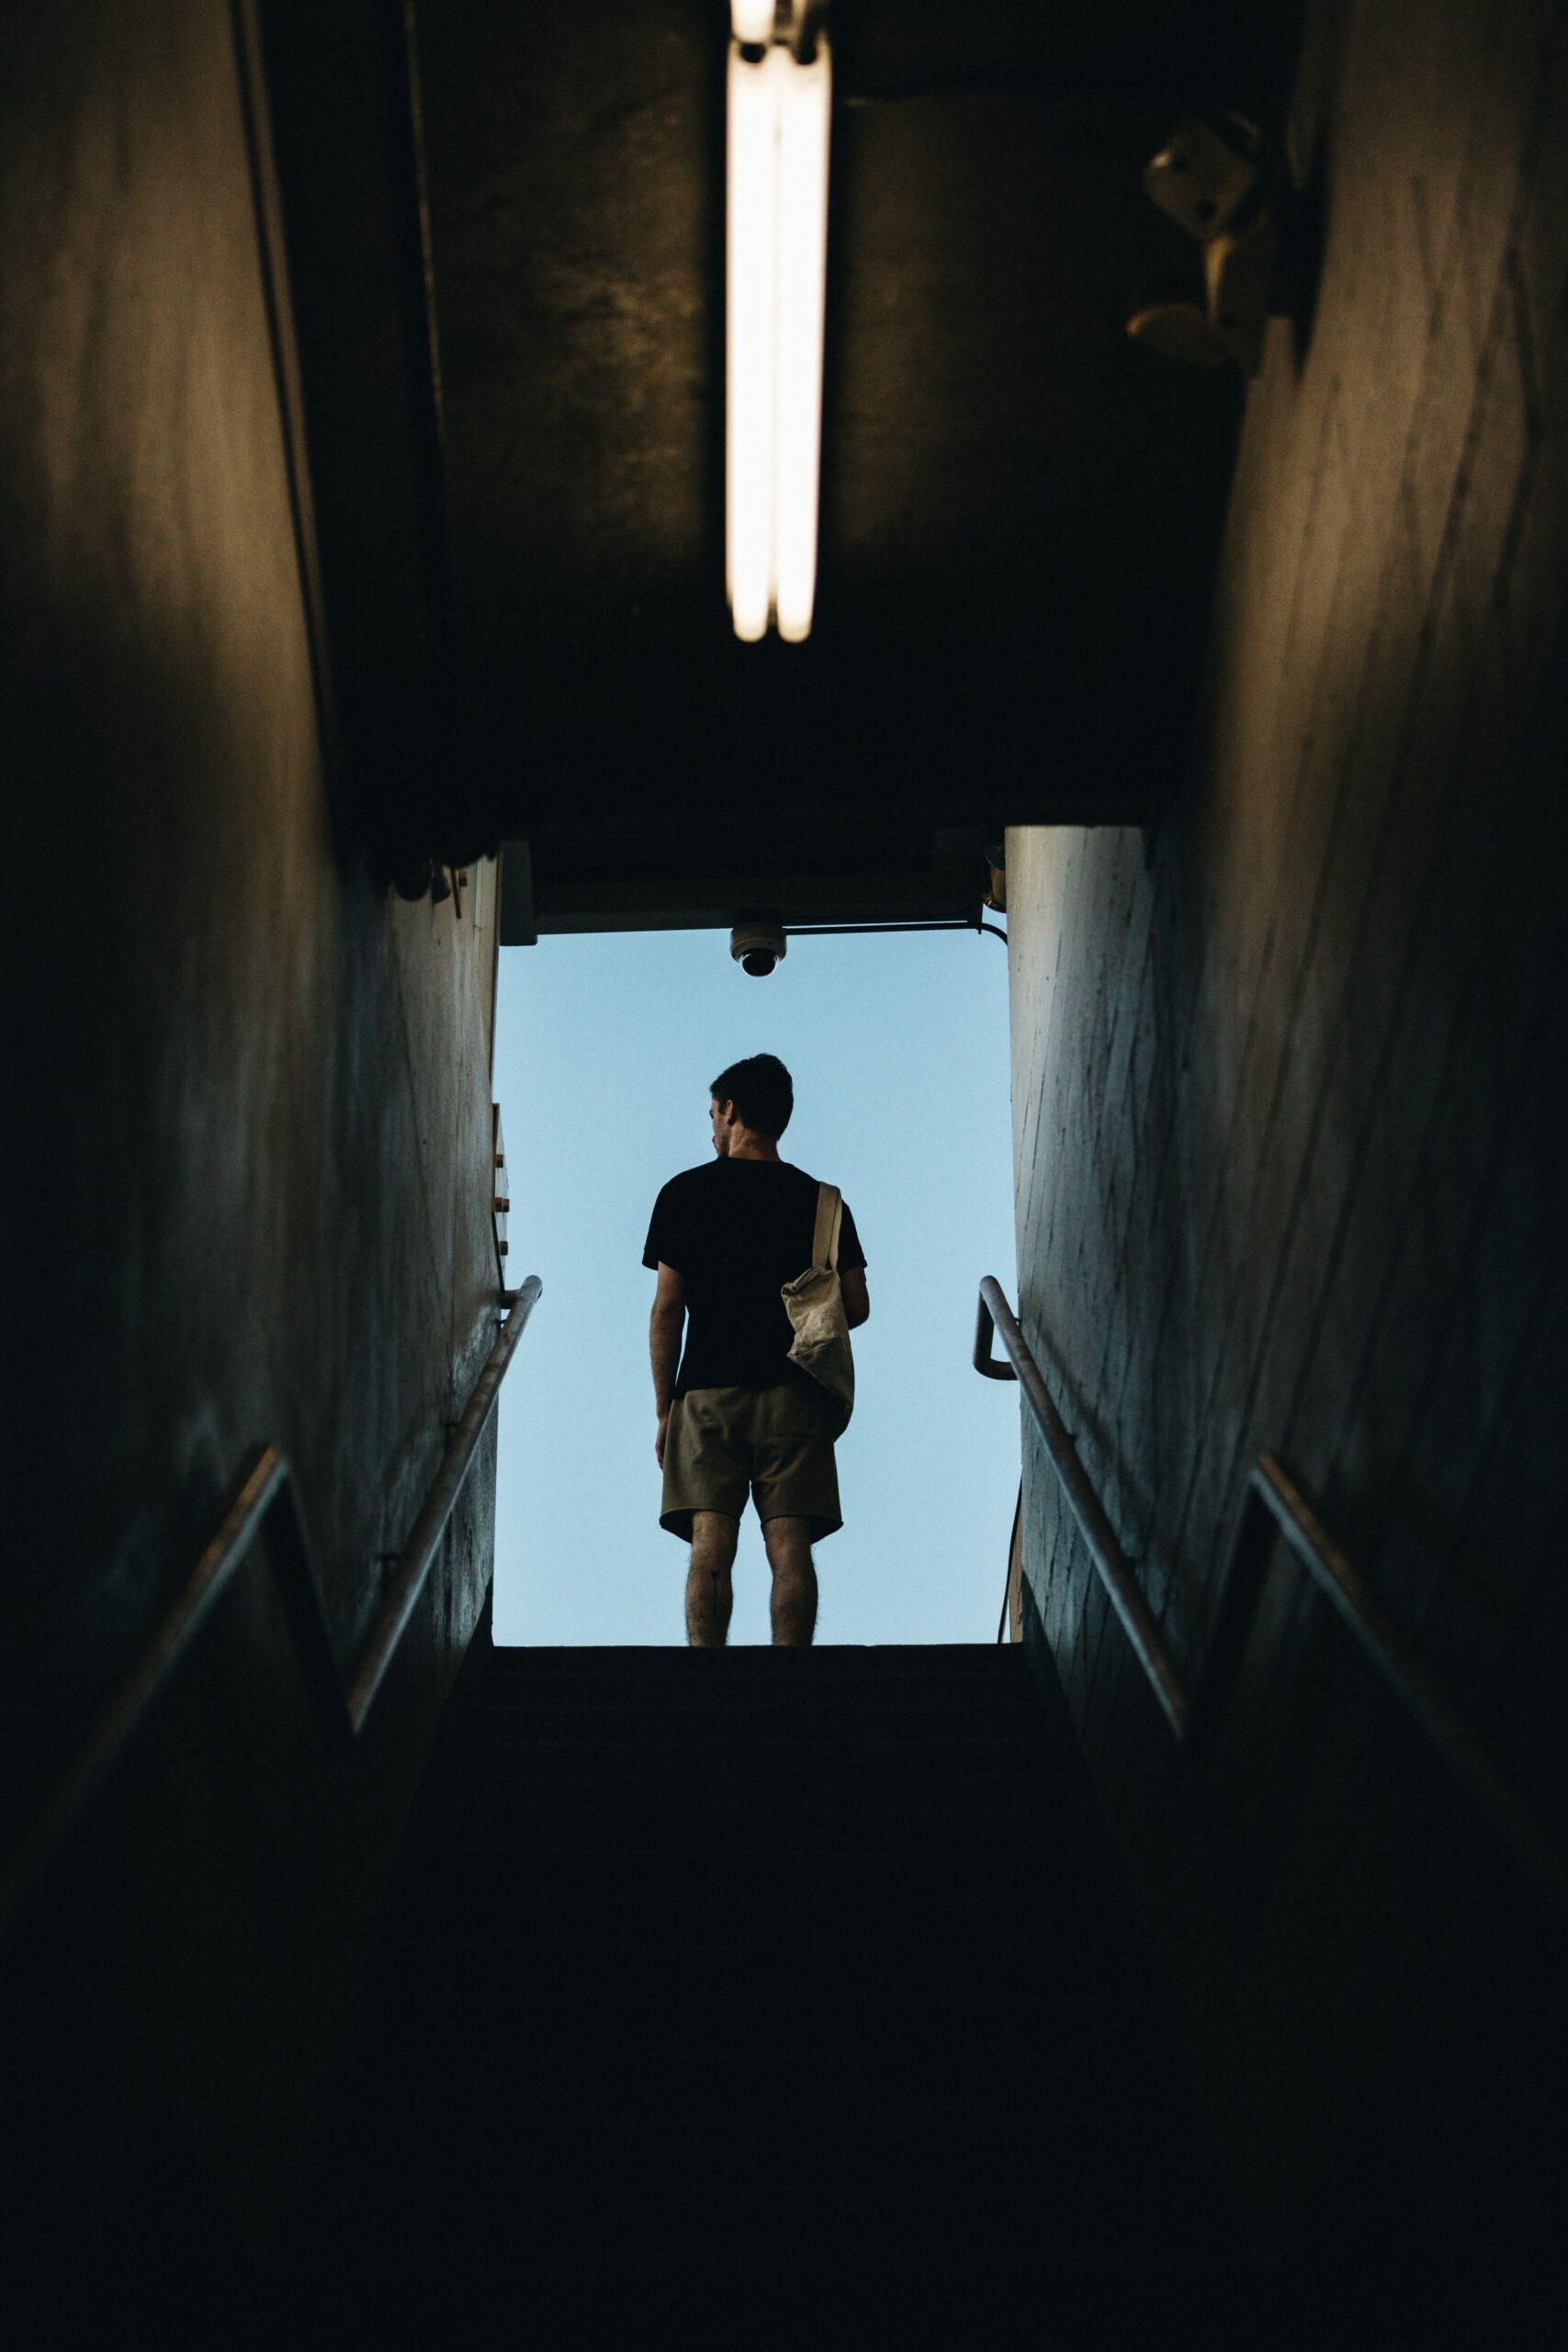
1115,1572
263,1496
1273,1504
431,1525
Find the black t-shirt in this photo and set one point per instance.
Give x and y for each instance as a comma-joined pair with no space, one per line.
736,1231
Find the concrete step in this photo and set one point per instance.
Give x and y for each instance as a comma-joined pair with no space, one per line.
678,1770
492,1920
1064,2190
459,2097
500,1975
504,1719
724,1791
982,2140
865,1859
854,1858
925,1662
704,1789
891,2022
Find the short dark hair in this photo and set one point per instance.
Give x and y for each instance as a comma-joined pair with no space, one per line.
761,1090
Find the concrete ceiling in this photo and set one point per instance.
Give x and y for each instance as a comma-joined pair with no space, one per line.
1020,508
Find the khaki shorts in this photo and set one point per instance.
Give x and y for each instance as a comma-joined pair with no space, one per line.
773,1443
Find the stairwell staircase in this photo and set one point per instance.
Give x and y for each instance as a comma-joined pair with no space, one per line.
769,1966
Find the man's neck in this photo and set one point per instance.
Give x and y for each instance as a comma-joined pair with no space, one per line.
748,1146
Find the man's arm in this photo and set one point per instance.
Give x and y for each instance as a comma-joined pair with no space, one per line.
664,1347
857,1299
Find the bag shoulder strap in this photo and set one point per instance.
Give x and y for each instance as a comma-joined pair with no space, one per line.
830,1216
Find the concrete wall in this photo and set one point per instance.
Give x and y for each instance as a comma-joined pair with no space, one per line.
1290,1149
249,1123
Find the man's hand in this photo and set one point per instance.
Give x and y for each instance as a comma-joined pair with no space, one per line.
664,1347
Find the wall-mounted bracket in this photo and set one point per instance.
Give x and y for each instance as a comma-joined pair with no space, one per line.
1215,180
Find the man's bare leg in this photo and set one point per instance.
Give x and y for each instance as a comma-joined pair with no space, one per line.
710,1592
793,1602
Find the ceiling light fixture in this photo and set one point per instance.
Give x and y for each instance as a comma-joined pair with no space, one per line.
780,93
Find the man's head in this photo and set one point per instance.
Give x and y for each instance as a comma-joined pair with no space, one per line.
756,1096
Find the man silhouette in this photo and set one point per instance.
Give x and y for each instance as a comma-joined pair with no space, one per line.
738,1417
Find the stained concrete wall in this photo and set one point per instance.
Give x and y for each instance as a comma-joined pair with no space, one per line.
248,1148
1289,1159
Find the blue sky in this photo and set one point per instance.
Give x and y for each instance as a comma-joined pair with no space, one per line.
604,1048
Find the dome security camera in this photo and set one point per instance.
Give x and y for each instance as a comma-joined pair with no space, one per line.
757,944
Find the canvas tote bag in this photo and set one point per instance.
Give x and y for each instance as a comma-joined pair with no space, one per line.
814,1304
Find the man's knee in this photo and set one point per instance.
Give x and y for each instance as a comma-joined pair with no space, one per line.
708,1596
714,1536
794,1605
789,1544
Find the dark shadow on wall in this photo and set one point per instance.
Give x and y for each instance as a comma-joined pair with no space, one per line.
1289,1176
226,1054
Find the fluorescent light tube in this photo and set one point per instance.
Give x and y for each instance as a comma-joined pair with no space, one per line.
803,93
752,296
778,114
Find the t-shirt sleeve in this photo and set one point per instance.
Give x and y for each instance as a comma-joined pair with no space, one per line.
851,1254
666,1240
